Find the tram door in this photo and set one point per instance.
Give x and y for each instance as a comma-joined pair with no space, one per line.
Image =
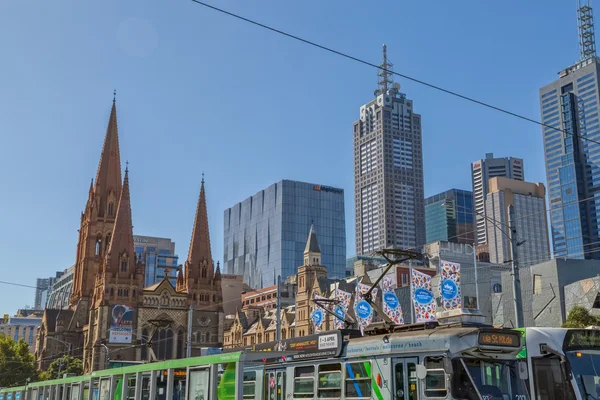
405,378
275,384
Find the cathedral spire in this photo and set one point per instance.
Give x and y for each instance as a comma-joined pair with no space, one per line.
200,242
121,246
108,177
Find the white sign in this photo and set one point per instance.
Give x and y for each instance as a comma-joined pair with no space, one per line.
328,342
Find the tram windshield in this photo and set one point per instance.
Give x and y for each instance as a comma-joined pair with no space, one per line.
494,379
585,367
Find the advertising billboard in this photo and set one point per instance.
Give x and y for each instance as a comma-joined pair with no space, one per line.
121,324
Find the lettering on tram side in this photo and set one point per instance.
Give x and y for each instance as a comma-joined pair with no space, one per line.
385,347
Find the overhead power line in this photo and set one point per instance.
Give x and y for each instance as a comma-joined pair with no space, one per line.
18,284
359,60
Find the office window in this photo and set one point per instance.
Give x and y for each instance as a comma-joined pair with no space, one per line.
537,284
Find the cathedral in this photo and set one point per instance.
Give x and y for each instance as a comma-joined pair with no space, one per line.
111,315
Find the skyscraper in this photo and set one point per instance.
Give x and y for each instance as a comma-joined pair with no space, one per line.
388,170
265,234
528,202
449,217
158,255
481,172
569,108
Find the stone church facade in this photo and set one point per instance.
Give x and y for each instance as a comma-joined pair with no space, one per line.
111,315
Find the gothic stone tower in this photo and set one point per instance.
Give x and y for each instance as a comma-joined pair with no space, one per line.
202,283
117,296
96,226
310,277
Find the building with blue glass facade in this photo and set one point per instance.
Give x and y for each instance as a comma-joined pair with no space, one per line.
449,217
265,234
159,255
569,108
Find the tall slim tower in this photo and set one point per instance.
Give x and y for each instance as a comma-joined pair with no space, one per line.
388,170
481,172
570,115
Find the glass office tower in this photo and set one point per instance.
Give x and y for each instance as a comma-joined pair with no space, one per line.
159,255
569,109
265,234
449,217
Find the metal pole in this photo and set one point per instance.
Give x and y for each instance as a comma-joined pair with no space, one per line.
278,330
412,300
188,352
476,278
515,269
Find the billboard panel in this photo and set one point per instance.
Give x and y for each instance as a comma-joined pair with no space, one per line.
121,324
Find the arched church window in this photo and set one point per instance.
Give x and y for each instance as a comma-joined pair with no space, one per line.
207,337
204,272
110,209
194,296
180,344
126,292
120,292
98,246
133,293
124,266
107,242
112,292
169,345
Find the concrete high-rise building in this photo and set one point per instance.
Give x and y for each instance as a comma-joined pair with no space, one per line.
159,256
58,297
43,288
449,217
481,172
388,171
569,108
530,220
265,234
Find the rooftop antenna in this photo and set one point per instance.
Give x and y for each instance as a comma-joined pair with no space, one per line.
385,74
587,40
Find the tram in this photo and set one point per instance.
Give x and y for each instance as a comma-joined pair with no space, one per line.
421,361
564,364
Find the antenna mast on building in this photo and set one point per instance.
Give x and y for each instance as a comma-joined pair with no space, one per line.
385,74
587,40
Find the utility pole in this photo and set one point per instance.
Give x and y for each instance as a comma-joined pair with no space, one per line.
476,279
515,269
278,330
188,352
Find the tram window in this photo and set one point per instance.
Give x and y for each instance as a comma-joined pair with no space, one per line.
435,381
330,381
358,380
249,384
550,381
304,382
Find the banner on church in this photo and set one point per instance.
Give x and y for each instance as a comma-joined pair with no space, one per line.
391,304
450,292
318,315
121,324
422,296
342,304
362,309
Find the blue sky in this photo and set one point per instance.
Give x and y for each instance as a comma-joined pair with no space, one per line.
200,91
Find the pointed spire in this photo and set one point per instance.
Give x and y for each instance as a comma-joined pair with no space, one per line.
122,236
312,245
108,176
200,242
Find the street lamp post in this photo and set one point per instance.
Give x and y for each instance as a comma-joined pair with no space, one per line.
68,354
512,237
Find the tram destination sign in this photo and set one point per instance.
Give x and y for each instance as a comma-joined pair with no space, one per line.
500,339
582,339
323,345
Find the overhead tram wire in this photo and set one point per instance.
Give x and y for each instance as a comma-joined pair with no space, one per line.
359,60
